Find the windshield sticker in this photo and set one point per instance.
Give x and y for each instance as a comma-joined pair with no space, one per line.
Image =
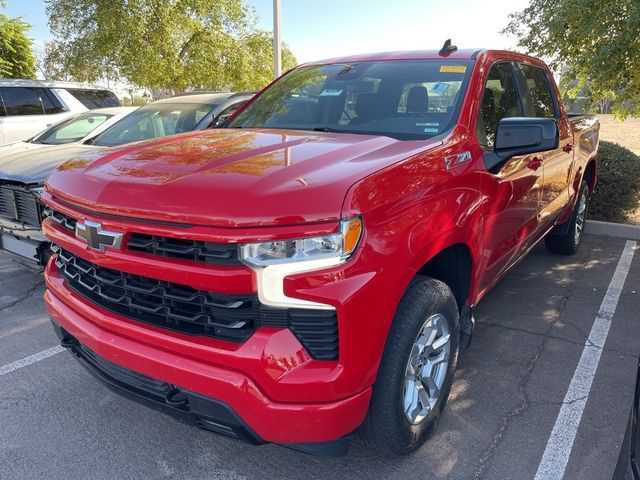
331,93
440,87
427,124
430,130
453,69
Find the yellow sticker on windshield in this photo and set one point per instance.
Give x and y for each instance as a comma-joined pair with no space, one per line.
453,69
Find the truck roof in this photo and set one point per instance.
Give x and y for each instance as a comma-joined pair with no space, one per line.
462,54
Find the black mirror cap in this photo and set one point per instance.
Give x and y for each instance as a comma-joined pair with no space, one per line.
524,135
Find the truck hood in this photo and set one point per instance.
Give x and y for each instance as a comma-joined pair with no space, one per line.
230,177
32,163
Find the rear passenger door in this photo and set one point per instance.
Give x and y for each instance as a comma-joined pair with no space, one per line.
27,111
539,100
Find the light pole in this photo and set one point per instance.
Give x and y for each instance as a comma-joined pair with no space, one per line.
277,44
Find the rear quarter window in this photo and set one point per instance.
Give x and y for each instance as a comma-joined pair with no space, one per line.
50,102
95,98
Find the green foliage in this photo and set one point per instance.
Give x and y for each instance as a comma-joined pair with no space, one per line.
617,192
253,66
595,41
160,44
16,57
54,65
136,101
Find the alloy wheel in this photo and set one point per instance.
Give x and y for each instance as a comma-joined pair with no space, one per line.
426,368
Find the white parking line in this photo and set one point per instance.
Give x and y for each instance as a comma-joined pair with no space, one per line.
36,357
556,454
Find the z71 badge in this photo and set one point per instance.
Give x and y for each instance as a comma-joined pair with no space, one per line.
455,160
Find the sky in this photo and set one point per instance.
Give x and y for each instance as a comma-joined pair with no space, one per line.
317,29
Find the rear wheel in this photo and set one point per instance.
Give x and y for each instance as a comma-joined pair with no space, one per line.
568,242
416,371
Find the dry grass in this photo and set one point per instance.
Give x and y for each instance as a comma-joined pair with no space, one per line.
626,134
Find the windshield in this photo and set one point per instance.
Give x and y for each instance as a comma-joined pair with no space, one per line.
73,129
403,99
153,121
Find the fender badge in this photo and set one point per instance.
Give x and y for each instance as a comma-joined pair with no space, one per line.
458,159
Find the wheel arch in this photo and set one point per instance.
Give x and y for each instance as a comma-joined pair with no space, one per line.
590,173
454,266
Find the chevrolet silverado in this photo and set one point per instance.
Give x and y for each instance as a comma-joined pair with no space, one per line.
312,269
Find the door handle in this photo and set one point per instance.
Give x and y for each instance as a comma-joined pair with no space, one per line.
568,148
535,163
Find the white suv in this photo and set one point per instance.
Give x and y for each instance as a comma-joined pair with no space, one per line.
29,106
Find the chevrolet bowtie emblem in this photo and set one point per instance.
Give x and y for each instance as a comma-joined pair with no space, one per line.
96,237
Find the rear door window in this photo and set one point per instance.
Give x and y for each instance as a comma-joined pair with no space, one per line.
21,101
95,98
538,98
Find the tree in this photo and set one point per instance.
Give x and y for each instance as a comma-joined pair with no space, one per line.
158,44
52,64
253,66
596,41
16,57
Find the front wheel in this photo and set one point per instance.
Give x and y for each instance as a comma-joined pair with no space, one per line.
568,241
416,371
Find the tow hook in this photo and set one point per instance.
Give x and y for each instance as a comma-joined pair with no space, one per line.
176,399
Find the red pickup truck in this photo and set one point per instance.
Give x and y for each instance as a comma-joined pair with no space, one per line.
311,270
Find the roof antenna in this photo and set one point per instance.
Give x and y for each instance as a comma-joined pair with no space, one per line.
447,49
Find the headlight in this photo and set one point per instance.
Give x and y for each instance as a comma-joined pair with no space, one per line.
338,245
273,261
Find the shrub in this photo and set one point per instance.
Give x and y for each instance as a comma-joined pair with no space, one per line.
617,193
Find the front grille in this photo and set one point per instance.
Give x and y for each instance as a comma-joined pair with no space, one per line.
19,205
60,218
194,250
164,304
186,310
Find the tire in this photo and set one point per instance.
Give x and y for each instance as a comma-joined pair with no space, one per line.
568,243
427,304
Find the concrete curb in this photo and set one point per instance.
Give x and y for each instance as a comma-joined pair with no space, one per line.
608,229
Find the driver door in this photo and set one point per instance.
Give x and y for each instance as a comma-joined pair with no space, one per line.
512,189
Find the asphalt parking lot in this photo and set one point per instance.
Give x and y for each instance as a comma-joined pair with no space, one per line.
514,387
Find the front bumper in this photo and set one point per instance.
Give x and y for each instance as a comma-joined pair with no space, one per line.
187,407
185,364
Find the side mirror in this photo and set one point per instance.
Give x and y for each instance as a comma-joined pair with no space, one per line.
220,120
523,135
